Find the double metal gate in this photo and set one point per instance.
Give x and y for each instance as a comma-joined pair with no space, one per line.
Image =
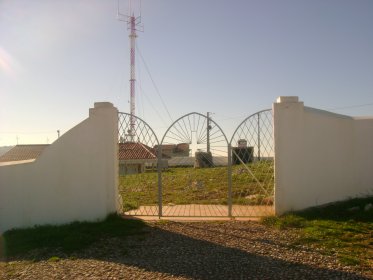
194,171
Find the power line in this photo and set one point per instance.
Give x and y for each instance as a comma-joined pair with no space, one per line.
225,118
352,106
154,84
151,103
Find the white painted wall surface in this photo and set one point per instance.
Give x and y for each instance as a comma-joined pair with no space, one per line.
320,157
75,178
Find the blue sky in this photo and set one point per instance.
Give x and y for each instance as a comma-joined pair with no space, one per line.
232,58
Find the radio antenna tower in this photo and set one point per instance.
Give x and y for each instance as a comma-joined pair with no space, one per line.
133,25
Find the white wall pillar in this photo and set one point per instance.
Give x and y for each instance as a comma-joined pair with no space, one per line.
74,179
320,157
288,140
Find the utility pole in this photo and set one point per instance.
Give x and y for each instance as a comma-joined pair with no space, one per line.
133,24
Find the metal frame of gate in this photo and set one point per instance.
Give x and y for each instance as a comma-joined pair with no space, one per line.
249,177
257,129
207,148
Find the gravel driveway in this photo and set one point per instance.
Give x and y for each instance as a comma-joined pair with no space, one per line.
189,250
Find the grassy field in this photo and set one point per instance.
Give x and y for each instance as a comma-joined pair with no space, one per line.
343,229
187,185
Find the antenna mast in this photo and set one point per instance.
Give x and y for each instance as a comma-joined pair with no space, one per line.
133,24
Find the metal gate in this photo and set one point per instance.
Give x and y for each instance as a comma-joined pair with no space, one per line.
194,171
252,172
195,181
138,173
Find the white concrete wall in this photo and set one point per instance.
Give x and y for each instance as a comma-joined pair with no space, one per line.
75,178
320,157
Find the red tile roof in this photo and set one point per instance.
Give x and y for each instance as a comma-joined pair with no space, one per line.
132,150
23,152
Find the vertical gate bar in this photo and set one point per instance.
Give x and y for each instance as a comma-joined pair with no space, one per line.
229,180
208,132
259,136
159,168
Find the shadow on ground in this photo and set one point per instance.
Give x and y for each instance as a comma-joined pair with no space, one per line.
182,254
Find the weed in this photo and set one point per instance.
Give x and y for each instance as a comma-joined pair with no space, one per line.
163,222
54,259
272,221
349,260
288,221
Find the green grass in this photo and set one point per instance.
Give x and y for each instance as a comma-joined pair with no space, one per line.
54,259
335,229
68,238
186,185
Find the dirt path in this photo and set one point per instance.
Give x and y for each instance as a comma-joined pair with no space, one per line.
188,250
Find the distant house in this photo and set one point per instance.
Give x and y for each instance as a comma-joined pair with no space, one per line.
174,150
23,152
134,157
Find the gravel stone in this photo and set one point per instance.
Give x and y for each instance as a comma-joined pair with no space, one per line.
189,250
